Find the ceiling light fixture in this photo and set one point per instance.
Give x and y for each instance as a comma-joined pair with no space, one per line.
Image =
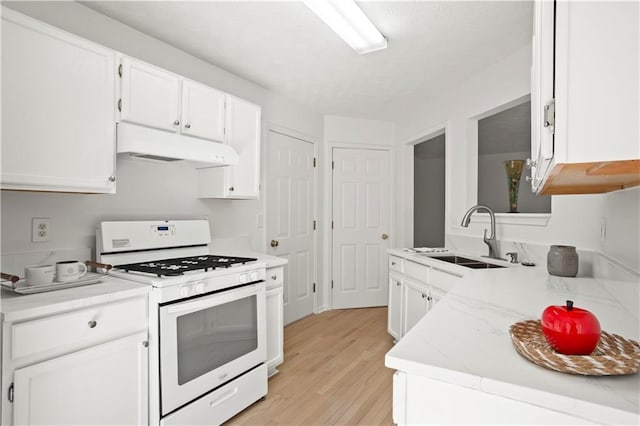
349,22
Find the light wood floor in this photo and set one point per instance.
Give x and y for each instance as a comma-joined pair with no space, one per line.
333,373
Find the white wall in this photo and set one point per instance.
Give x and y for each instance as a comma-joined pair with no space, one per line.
575,219
622,220
145,190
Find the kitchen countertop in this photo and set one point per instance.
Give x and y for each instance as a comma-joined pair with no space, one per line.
464,340
16,307
269,260
428,260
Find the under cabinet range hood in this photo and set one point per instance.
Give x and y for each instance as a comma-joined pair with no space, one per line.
147,143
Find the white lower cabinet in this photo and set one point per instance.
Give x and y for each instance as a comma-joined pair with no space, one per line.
79,366
414,288
421,400
416,303
104,384
275,318
394,314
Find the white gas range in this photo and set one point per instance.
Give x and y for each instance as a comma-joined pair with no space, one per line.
207,318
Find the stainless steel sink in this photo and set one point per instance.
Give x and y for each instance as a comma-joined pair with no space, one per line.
466,262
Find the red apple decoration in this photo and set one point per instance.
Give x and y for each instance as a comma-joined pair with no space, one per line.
570,330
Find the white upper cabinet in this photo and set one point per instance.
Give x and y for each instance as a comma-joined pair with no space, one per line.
156,98
58,109
585,103
202,111
243,135
150,96
243,124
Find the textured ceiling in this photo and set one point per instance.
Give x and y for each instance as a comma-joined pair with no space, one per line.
284,47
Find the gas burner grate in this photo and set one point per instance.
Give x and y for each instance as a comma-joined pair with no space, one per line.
180,265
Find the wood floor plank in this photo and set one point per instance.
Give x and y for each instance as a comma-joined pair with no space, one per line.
333,373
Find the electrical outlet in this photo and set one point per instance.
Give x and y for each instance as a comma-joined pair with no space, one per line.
40,229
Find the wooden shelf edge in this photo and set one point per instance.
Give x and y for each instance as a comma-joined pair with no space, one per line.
592,177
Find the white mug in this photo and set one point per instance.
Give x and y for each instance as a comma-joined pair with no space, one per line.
70,270
39,274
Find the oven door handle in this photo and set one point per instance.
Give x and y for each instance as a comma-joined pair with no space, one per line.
213,300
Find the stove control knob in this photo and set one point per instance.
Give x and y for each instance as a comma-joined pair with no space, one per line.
184,291
243,278
254,275
200,287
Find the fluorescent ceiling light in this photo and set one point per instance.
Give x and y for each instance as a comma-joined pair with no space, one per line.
349,22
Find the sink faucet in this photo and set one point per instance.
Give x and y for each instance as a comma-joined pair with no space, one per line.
491,241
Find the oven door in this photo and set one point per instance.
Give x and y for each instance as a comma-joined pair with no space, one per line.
208,341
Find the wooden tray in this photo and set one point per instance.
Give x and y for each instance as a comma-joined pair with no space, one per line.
20,287
614,354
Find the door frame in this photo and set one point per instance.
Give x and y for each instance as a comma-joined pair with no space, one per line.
327,235
406,180
285,131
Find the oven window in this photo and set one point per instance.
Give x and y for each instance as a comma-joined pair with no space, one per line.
212,337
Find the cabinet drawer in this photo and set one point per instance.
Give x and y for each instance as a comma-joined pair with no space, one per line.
275,276
417,271
443,280
79,328
395,263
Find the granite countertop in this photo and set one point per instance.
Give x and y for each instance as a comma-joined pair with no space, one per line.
17,307
464,340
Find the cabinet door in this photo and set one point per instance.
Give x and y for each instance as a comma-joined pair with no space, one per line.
394,318
435,294
275,328
58,109
415,304
105,384
542,91
243,134
150,96
202,111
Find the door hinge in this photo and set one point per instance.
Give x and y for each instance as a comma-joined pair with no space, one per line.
314,161
120,104
333,165
331,283
120,70
314,287
331,224
550,115
10,393
314,225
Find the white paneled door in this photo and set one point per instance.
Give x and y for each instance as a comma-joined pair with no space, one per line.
290,221
361,223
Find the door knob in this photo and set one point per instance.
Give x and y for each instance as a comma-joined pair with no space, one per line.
384,236
274,243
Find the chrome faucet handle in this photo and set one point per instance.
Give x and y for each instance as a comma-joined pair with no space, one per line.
513,257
